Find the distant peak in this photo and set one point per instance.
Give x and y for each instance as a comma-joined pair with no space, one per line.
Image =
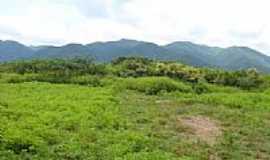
182,43
187,42
241,48
124,39
129,41
10,41
238,47
73,45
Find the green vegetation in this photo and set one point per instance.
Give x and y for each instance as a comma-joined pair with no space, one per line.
131,109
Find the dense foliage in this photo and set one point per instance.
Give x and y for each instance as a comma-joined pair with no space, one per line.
63,70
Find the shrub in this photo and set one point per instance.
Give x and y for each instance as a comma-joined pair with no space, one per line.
80,80
65,67
200,87
16,78
250,79
51,78
132,67
245,79
211,88
86,80
155,85
19,145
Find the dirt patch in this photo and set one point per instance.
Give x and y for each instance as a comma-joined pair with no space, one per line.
203,127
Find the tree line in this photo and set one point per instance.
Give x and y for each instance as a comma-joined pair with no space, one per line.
56,69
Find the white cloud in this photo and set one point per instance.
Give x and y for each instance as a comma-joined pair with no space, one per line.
213,22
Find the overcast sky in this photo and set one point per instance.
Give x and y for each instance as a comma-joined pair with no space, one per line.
212,22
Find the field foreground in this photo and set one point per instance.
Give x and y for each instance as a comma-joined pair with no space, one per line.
132,109
57,121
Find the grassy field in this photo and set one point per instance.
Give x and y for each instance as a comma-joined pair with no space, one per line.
127,118
57,121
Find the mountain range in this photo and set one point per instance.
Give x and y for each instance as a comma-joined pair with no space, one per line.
232,58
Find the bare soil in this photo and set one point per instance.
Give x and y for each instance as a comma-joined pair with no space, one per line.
204,128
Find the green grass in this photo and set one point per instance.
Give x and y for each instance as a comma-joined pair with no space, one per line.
68,121
245,127
154,85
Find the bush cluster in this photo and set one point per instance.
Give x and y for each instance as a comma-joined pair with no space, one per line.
139,67
155,85
58,67
64,71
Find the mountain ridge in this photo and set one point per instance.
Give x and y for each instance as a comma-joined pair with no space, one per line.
231,58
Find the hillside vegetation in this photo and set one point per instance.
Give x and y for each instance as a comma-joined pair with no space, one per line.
231,58
131,109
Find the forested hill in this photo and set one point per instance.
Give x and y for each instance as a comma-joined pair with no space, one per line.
233,58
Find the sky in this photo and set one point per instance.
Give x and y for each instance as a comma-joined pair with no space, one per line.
220,23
